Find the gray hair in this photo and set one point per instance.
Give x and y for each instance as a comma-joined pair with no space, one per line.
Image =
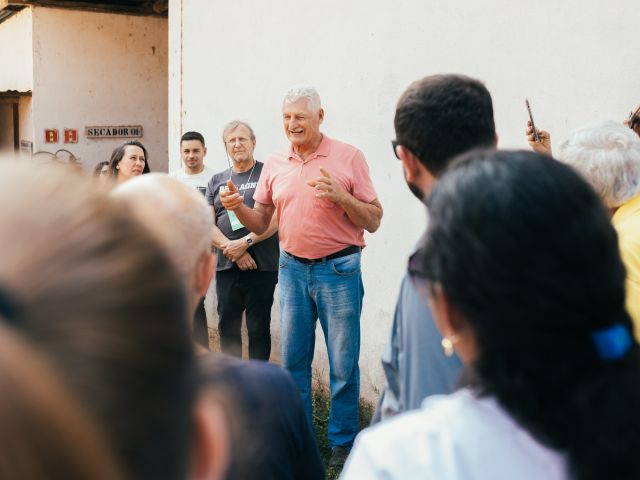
607,155
306,92
231,126
177,216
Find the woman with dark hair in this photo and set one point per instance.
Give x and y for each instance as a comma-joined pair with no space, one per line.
129,160
521,266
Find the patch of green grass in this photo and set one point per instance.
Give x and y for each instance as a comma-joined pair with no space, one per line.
321,403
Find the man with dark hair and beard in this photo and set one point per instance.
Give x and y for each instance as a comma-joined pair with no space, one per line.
436,119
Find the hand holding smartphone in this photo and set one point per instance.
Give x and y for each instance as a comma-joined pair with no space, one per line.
536,137
539,140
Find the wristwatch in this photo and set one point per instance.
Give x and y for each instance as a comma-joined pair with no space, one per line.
248,239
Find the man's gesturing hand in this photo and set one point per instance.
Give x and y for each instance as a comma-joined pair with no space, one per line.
328,187
230,197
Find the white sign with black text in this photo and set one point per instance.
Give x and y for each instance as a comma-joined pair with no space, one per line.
123,131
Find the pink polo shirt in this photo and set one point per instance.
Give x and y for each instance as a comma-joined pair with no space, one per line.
311,227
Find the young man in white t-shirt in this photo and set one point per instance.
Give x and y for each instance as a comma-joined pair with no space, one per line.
193,171
196,174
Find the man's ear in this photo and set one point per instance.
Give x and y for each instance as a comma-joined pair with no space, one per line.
204,152
414,171
321,114
205,272
211,445
410,162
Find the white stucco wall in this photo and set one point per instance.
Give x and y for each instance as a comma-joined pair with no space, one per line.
576,61
100,69
175,83
16,65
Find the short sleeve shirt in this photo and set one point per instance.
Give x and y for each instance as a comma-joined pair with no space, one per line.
626,221
308,226
199,180
264,253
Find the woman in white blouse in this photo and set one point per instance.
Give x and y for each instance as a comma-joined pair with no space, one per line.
521,267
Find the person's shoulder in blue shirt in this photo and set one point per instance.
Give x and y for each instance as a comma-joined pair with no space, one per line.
413,361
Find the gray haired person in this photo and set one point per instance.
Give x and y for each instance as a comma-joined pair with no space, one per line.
247,269
269,432
607,155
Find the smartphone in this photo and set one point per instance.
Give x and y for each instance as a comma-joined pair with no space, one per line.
536,137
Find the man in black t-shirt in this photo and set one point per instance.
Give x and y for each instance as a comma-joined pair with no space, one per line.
247,270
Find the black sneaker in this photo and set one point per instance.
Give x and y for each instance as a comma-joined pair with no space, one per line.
338,457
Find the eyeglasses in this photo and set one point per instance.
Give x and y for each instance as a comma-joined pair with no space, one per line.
234,140
396,143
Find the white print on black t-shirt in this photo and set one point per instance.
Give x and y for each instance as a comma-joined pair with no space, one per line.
244,186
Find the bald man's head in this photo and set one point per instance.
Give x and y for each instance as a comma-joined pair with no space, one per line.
180,219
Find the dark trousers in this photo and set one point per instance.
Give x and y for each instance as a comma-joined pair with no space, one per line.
200,328
250,290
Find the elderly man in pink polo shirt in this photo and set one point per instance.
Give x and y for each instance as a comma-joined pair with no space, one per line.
324,199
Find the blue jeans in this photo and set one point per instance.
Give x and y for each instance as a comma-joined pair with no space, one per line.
331,291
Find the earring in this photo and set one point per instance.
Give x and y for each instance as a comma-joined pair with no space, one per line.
447,345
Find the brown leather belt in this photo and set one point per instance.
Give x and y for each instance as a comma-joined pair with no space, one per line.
341,253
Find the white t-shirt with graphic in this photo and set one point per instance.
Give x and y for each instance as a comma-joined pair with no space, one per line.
199,180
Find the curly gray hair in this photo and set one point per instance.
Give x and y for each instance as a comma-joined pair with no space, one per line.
307,92
607,155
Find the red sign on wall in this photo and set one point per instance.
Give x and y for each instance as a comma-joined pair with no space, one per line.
51,135
70,135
